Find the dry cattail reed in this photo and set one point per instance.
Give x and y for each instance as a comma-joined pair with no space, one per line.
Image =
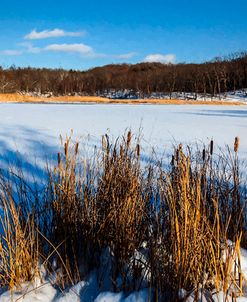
204,154
236,144
211,147
138,150
180,217
128,139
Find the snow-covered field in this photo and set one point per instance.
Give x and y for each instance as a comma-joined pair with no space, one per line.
33,131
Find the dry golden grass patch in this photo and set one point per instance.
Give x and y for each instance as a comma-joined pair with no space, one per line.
17,98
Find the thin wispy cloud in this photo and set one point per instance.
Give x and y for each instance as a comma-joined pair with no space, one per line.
80,48
77,48
161,58
85,50
55,33
27,47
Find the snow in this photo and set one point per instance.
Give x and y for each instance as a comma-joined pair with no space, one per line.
86,291
141,296
81,292
244,262
34,129
231,96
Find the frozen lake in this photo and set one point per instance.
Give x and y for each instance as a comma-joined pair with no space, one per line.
33,129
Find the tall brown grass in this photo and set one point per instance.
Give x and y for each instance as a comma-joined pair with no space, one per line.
195,226
164,227
19,244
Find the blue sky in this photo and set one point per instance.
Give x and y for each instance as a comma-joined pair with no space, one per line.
83,34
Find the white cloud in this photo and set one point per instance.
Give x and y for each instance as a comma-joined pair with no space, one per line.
55,33
126,56
11,52
77,48
168,58
80,48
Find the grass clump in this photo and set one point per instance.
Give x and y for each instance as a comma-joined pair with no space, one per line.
19,245
165,227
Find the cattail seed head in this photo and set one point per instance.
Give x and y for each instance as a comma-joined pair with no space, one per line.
76,148
66,148
59,158
114,154
138,150
128,139
203,154
236,144
103,142
211,147
107,142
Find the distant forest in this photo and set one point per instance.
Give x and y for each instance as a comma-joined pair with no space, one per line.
212,78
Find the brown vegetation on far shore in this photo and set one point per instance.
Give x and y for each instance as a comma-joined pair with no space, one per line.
17,98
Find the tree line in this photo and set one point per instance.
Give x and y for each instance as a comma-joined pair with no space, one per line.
212,78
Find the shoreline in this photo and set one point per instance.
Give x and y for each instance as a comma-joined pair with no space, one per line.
16,98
